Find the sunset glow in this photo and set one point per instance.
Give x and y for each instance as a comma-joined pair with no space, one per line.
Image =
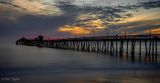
83,28
75,30
153,31
145,15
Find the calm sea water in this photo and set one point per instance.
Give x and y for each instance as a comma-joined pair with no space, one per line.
24,64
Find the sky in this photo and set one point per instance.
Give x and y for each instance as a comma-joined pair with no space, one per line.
69,18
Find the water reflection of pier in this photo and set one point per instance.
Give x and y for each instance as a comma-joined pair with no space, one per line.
132,46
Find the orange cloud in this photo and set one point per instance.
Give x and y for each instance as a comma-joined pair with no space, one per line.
144,24
83,28
97,23
153,31
141,25
147,31
144,15
74,30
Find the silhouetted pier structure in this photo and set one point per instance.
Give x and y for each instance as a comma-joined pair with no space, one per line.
127,45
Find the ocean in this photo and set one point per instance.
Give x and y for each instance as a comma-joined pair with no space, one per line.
27,64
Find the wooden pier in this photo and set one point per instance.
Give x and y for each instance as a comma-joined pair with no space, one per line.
128,45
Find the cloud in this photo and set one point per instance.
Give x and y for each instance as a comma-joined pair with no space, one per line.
145,16
140,27
92,18
153,31
37,7
150,4
55,17
16,8
83,27
77,30
8,13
